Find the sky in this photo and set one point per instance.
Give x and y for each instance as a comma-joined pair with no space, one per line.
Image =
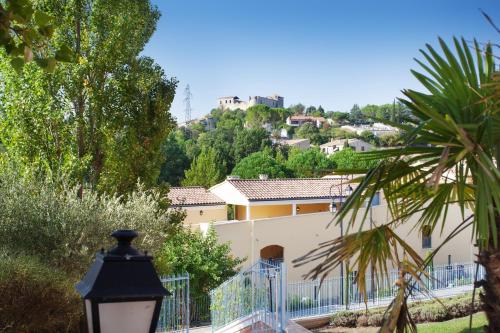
316,52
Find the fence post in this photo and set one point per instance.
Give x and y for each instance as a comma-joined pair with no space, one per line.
283,297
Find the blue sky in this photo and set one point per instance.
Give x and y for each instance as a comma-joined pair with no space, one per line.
333,53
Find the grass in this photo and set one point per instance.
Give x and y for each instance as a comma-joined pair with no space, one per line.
459,325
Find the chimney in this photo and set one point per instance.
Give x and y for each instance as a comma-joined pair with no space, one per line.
263,176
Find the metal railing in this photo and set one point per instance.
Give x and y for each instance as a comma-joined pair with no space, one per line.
253,297
174,313
312,298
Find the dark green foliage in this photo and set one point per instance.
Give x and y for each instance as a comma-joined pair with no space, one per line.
176,161
309,163
260,163
207,169
356,116
311,132
37,297
249,141
207,262
348,159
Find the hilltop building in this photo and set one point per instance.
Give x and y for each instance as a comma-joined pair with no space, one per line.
234,102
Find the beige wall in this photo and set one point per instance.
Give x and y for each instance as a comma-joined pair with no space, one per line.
302,233
209,214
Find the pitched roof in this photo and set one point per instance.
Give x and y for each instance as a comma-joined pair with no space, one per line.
289,189
193,196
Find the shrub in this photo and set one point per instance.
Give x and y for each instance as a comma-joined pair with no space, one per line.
37,298
426,311
38,217
345,318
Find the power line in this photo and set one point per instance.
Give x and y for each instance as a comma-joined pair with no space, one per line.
187,103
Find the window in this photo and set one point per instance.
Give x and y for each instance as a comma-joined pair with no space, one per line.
426,237
362,148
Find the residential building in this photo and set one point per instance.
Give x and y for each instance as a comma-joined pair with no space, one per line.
301,144
208,122
334,146
200,205
234,102
377,129
283,219
299,120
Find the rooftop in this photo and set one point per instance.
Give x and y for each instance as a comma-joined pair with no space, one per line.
288,189
193,196
341,142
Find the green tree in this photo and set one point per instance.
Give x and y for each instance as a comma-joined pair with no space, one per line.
110,98
459,114
356,116
222,141
133,141
258,163
176,161
248,141
208,262
348,159
311,132
297,108
368,136
207,169
308,163
25,35
340,117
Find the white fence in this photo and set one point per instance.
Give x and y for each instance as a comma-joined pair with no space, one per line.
310,298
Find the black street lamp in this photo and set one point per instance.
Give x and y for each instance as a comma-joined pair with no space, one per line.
121,291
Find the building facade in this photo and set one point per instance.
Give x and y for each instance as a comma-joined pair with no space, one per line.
334,146
283,219
234,102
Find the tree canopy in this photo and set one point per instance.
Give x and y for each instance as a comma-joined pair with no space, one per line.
258,163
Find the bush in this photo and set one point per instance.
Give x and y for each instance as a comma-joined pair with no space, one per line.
345,318
49,221
426,311
37,298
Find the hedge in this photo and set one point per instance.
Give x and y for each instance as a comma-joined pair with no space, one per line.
425,311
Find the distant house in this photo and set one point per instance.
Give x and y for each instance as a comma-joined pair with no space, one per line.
299,120
377,129
234,102
208,122
301,144
337,145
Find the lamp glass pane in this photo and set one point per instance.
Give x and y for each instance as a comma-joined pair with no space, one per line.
88,310
126,317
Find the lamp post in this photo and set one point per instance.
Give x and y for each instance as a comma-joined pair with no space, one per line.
121,291
333,209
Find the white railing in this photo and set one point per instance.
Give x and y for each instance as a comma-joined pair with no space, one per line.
312,298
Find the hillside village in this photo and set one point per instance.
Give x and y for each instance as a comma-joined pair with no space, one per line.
260,136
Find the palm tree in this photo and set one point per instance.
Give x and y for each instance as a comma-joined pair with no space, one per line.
450,157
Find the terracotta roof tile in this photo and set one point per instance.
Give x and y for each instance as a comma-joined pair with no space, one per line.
282,189
193,196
